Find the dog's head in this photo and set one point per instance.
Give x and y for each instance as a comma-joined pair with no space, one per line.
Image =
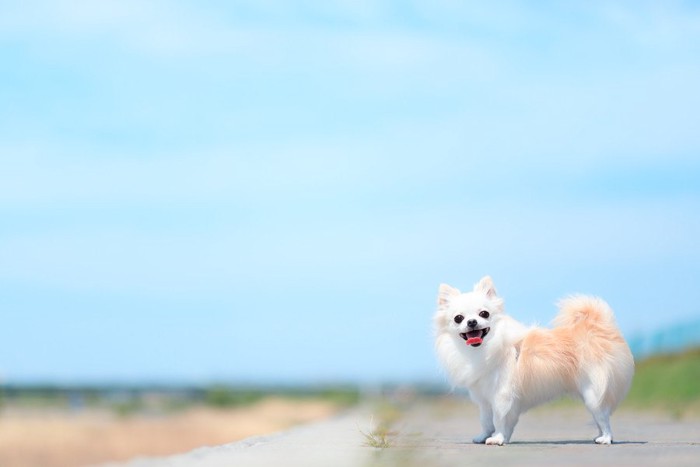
470,315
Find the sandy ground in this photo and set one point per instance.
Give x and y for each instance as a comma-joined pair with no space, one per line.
59,438
430,434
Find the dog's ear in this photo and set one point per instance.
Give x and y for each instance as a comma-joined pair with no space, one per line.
445,293
485,286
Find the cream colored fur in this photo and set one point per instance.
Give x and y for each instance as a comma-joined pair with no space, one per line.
517,367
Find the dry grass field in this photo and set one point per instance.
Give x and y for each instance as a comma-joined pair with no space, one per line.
57,438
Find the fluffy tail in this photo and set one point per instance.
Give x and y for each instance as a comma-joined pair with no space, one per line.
606,365
579,308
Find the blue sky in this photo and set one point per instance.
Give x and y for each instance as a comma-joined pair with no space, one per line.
272,191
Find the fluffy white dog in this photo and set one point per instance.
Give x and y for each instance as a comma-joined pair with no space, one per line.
509,368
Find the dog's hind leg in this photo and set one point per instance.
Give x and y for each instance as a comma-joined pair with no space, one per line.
593,398
601,415
602,419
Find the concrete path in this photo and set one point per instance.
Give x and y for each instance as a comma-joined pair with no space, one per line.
437,433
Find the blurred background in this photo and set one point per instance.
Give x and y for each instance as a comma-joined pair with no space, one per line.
199,197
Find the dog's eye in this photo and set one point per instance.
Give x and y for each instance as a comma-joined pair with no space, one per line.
484,314
459,319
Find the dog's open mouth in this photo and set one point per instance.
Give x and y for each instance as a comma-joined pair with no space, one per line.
475,337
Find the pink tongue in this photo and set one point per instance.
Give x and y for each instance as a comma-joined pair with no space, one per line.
474,340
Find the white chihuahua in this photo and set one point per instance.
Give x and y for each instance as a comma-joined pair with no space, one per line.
509,368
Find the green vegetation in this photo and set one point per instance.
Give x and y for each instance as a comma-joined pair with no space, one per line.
342,396
380,434
128,407
667,381
377,438
224,396
127,400
230,396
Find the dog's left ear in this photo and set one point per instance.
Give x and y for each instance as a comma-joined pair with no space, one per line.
485,286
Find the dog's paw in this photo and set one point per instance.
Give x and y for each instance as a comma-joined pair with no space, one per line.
605,439
496,440
481,439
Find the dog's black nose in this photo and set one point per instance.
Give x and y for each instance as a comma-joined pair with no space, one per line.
471,323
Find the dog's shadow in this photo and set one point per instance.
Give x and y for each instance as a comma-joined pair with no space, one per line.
573,441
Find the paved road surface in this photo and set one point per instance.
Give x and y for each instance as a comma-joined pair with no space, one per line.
438,433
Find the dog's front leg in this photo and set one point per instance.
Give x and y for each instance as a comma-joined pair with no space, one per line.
486,418
506,412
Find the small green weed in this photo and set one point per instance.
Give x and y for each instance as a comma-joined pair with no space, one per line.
378,436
